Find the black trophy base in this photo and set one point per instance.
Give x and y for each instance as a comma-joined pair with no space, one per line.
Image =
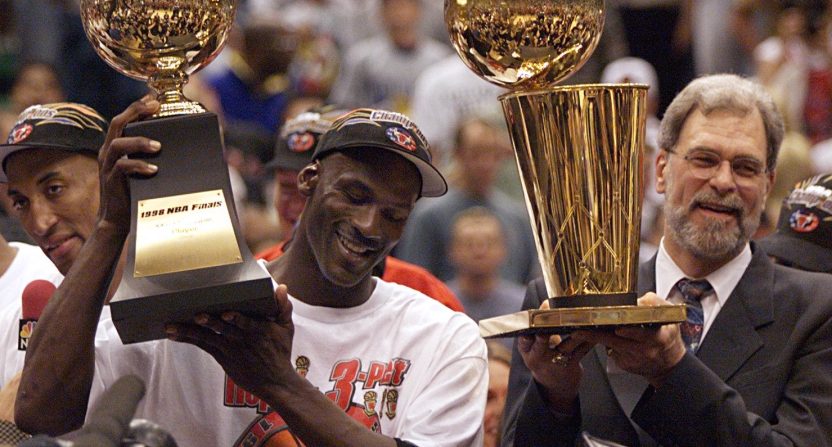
165,280
141,308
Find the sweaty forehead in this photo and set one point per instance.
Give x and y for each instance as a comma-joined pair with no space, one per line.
31,164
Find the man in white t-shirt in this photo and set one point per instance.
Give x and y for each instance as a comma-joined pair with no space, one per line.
20,264
347,351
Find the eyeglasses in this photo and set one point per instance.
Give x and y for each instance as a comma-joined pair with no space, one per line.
704,165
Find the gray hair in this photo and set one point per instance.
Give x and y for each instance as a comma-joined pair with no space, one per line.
723,92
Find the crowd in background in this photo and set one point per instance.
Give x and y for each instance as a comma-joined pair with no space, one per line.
286,56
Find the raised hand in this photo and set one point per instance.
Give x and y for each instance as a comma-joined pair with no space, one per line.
114,167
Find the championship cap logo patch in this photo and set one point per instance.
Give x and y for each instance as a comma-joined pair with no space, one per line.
300,142
803,221
402,138
19,133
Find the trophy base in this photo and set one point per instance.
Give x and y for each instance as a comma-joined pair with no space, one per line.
185,253
142,306
568,319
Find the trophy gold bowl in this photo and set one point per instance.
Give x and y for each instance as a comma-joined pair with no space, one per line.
185,253
579,150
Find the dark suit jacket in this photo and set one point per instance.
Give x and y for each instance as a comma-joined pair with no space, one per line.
762,376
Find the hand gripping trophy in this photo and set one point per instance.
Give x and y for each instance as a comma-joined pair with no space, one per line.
579,151
186,253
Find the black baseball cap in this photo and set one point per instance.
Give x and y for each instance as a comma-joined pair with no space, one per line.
63,126
298,137
391,131
803,237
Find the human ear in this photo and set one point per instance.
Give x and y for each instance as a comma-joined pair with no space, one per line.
661,165
308,178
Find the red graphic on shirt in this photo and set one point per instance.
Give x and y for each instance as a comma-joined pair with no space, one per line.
347,376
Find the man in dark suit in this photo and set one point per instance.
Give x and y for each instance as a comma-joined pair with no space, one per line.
753,363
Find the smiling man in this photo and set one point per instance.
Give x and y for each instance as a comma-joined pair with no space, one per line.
749,367
349,360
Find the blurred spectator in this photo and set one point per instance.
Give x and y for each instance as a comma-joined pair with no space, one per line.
803,238
716,48
481,148
752,21
659,31
638,71
477,250
255,89
51,31
381,71
817,108
315,67
247,148
794,164
499,361
34,83
821,155
344,21
9,47
611,46
446,93
781,63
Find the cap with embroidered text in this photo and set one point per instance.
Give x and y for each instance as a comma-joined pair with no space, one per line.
391,131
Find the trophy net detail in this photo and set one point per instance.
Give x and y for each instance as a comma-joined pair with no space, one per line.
579,154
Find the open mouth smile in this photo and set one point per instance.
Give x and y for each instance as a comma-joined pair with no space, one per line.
356,245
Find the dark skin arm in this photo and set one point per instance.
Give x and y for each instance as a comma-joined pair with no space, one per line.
60,361
256,354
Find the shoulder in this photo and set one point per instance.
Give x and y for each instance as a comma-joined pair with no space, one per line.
419,278
807,289
507,206
32,262
434,49
368,47
435,206
415,308
436,76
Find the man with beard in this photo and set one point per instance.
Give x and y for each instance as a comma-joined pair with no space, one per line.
750,366
348,360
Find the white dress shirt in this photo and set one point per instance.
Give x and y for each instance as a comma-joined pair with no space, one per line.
723,280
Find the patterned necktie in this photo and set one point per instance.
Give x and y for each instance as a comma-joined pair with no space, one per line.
693,291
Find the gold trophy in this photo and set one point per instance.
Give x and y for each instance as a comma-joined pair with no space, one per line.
186,253
579,152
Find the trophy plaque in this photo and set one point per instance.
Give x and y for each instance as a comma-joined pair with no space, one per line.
579,150
185,253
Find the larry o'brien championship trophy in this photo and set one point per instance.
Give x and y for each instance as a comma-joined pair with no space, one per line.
579,151
186,253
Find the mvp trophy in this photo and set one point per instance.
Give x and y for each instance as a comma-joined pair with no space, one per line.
186,253
579,151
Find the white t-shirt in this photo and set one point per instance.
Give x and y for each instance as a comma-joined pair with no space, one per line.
403,363
28,265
